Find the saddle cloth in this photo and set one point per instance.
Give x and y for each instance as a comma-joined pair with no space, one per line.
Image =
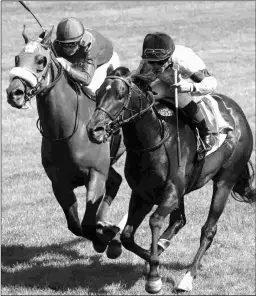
215,121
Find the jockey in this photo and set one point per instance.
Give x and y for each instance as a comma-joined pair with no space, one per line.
159,54
84,53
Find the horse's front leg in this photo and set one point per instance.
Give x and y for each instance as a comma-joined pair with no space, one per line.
95,192
177,221
68,202
104,230
167,206
113,183
138,209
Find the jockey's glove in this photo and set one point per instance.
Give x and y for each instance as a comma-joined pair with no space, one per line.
185,86
64,63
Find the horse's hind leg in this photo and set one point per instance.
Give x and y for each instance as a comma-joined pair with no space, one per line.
68,202
221,191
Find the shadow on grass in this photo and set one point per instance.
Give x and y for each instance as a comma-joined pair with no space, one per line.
20,267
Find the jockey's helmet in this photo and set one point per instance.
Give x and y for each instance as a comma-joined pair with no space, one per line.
69,30
157,47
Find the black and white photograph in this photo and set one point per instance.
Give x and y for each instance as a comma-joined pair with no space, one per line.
128,148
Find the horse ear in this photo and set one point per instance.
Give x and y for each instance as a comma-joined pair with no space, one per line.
25,36
110,69
47,38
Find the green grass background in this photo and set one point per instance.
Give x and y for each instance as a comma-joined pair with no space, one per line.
39,255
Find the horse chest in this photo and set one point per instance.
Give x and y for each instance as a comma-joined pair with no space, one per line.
145,175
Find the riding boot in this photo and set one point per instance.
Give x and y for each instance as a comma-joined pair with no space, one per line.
196,115
206,136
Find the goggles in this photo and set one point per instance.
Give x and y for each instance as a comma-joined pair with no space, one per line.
156,53
68,45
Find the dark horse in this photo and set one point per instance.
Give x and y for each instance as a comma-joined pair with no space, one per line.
152,170
69,158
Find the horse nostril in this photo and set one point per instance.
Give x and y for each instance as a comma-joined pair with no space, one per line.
18,92
98,129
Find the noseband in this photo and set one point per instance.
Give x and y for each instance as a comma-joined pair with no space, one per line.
38,89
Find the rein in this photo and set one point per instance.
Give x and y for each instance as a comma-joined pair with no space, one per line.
118,121
37,89
48,88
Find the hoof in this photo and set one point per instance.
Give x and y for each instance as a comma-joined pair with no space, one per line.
146,269
114,249
99,247
153,287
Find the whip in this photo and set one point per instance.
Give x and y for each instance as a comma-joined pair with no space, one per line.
25,6
176,68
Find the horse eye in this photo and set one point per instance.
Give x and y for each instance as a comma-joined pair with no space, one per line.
41,61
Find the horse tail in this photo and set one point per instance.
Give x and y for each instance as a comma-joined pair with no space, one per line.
243,190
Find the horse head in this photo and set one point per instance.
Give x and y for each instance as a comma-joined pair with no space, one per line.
31,67
118,101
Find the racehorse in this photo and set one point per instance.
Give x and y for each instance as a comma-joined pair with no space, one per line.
153,173
69,158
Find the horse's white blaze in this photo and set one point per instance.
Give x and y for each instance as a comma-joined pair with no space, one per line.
24,74
108,87
30,47
186,283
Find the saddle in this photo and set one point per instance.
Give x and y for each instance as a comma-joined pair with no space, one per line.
209,106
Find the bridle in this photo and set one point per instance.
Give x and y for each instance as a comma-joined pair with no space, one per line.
39,90
117,119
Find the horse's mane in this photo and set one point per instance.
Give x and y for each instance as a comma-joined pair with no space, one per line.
119,71
142,80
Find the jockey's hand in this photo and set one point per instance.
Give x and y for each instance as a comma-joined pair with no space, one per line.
65,64
184,85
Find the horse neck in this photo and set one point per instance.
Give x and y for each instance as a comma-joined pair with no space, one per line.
145,131
57,107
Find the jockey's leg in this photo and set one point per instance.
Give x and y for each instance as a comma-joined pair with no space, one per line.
194,112
101,72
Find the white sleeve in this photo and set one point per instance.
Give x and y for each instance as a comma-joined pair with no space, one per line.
206,86
189,62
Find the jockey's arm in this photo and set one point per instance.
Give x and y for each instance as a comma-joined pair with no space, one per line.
85,72
194,68
203,83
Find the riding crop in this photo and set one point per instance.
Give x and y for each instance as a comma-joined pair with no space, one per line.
176,68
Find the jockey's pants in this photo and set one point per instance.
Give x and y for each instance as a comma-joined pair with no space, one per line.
101,72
